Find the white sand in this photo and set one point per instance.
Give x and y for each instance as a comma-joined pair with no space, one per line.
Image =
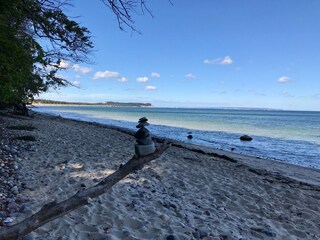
183,193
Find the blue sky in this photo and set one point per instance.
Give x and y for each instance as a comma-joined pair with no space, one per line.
208,53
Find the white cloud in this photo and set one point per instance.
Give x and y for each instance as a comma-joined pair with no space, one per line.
207,61
155,75
60,76
110,75
78,68
106,74
190,75
122,79
75,83
64,64
151,88
142,79
284,79
227,60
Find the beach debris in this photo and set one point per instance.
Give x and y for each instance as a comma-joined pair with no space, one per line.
144,144
245,138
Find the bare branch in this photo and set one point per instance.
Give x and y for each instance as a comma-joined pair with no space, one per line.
55,210
122,9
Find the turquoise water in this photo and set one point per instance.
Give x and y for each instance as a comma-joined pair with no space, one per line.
290,136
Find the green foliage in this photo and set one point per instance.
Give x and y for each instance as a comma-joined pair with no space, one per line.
111,104
22,127
35,36
26,69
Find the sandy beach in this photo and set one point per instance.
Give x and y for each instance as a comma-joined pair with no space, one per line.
188,193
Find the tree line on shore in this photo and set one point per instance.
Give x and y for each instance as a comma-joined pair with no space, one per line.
109,103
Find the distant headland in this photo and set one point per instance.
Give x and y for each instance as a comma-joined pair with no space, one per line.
107,104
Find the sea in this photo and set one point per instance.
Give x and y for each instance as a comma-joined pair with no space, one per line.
286,136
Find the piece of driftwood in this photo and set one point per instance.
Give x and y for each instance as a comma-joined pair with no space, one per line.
55,210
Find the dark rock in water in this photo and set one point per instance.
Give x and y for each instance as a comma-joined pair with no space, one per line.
245,138
189,136
232,149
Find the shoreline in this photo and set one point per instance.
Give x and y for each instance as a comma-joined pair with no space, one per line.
276,166
190,192
284,148
85,105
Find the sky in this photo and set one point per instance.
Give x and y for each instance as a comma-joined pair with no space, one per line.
209,53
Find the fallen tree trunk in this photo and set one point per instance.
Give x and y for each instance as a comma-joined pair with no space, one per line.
55,210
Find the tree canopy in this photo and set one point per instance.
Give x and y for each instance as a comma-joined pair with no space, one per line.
27,66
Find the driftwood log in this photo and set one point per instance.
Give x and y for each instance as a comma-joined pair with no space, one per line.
55,210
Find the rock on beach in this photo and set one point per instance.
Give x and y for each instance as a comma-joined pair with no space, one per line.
10,199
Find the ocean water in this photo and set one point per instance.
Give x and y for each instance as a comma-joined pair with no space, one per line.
288,136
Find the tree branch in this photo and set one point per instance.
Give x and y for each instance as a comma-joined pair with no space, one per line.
55,210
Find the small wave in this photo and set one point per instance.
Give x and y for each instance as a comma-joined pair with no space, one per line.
292,151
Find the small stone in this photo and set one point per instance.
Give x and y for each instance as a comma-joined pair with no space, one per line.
143,119
196,235
95,180
3,214
171,237
12,206
72,181
14,190
206,212
223,237
164,217
8,220
202,232
173,206
25,209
